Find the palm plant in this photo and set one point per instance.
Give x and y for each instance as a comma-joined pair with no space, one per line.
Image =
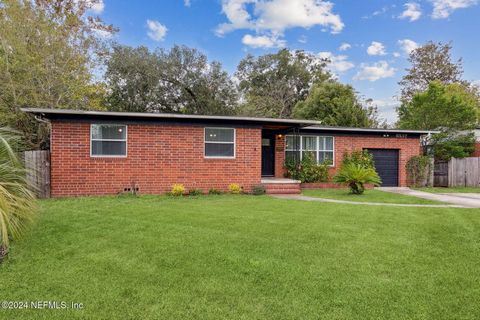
17,202
356,176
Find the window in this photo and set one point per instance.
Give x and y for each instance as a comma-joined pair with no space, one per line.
219,143
292,148
321,148
108,140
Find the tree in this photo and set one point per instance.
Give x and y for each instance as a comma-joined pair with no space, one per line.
17,202
47,53
452,144
430,62
451,109
441,106
177,80
336,104
272,84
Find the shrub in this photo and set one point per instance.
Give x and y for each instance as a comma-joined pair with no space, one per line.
355,176
234,188
361,157
214,191
307,170
195,192
258,190
418,170
177,189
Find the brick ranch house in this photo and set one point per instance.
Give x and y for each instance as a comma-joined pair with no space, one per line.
100,153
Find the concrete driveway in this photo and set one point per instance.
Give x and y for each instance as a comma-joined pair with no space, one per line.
468,200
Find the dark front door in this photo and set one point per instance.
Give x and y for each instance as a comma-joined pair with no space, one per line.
268,156
386,164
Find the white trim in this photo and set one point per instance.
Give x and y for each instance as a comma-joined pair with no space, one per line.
317,151
117,140
220,142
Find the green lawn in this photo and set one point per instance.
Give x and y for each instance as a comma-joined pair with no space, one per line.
451,190
367,196
245,257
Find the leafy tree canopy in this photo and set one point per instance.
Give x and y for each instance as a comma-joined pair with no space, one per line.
336,104
177,80
272,84
451,106
47,51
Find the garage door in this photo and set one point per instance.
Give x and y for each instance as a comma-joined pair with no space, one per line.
386,164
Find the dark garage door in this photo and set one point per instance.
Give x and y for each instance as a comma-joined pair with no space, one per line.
386,164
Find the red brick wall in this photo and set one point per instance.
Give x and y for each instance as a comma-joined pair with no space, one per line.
476,153
279,155
408,147
158,157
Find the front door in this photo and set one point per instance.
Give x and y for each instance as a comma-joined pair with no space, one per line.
268,156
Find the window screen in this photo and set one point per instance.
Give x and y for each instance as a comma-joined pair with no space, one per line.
108,140
219,142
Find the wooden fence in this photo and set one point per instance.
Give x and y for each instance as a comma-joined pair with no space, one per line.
37,164
457,173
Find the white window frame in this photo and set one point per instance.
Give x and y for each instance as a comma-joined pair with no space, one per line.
220,142
119,140
317,151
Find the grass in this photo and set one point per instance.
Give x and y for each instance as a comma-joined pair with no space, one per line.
368,196
450,190
245,257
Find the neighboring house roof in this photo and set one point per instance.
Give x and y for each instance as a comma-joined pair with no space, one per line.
62,114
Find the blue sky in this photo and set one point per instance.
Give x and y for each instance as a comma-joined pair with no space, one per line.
376,35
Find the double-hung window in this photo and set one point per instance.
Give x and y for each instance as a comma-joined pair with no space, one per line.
108,140
219,142
321,148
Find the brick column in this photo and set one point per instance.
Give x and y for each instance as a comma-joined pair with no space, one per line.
279,156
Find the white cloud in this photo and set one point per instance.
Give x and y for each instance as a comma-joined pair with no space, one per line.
103,34
345,46
187,3
396,54
338,64
443,8
407,45
157,30
476,83
95,6
374,72
412,11
303,39
98,7
262,41
376,49
273,17
387,108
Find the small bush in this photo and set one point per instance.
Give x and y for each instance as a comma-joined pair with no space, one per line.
195,192
258,190
356,176
359,157
177,190
307,170
418,170
234,188
214,191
